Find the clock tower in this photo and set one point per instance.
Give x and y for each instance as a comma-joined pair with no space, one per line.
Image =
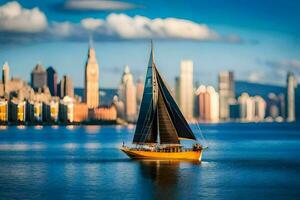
91,79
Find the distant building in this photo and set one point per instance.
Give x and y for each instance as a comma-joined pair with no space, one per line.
3,110
34,111
226,92
276,109
186,93
120,107
52,79
252,108
54,110
107,113
91,80
80,112
38,77
208,100
127,92
16,88
247,107
234,110
17,110
5,76
66,87
259,108
291,86
66,109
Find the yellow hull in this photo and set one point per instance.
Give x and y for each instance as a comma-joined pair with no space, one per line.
140,154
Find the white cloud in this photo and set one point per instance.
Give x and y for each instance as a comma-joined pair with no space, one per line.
103,5
140,27
14,18
121,26
91,23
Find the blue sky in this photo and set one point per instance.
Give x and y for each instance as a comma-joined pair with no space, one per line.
259,40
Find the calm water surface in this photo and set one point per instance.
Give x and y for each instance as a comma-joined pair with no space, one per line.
244,161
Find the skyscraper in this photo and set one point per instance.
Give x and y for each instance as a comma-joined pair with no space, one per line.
186,93
5,75
291,86
226,92
91,78
66,87
127,93
52,80
38,77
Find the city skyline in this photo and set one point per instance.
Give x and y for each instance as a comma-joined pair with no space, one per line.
261,47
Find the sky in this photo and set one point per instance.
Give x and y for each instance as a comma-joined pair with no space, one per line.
257,39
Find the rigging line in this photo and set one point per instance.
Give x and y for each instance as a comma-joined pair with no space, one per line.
201,134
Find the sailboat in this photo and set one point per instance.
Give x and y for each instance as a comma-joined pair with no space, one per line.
161,125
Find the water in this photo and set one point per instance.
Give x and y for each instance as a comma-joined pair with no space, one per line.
244,161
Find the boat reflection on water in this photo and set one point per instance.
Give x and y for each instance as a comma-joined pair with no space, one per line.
165,176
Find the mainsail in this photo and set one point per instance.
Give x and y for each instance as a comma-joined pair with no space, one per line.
160,120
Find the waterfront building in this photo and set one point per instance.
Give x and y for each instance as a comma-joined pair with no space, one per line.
273,110
80,112
91,79
127,93
234,110
38,77
104,113
66,87
52,79
291,87
247,107
185,92
17,110
66,109
252,108
120,107
259,108
3,110
226,92
46,112
54,109
30,111
208,100
34,111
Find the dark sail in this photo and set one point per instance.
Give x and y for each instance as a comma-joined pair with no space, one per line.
167,131
181,125
146,128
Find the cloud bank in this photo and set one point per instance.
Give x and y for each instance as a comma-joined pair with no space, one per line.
101,5
14,18
31,24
